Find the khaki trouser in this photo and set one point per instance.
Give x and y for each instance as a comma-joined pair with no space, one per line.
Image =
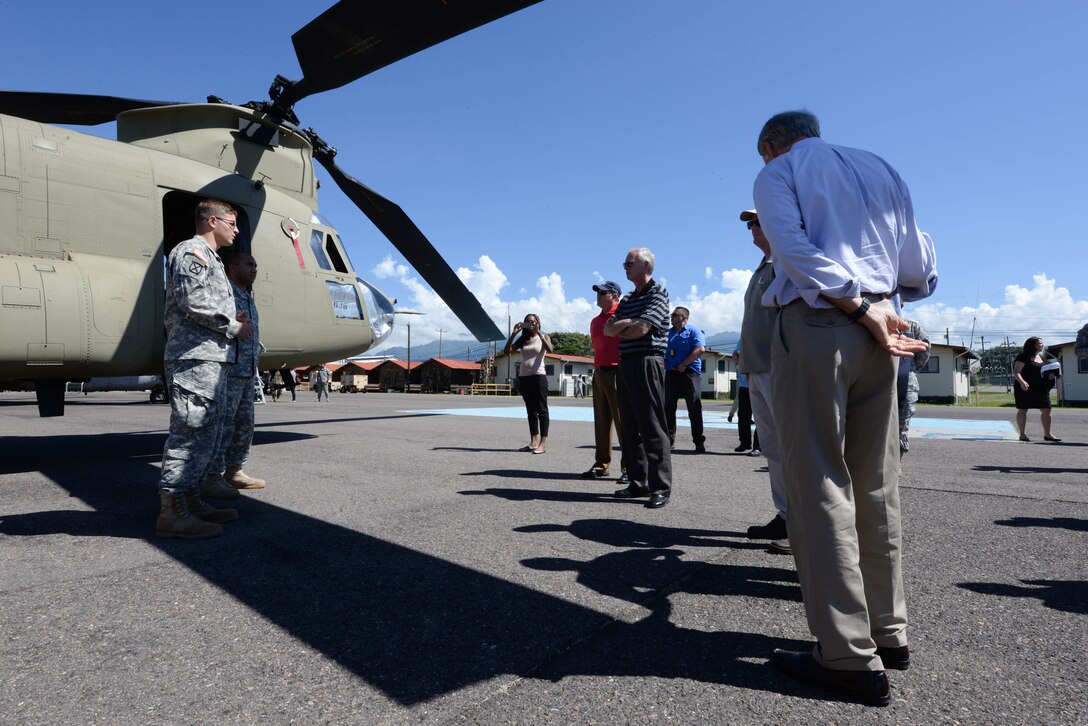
759,392
606,414
834,400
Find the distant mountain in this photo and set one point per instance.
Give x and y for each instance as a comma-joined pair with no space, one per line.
724,342
451,349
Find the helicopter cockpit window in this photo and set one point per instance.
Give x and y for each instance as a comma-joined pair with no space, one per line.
345,300
334,254
316,238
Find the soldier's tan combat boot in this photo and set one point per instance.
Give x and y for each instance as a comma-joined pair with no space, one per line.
214,487
241,480
175,520
202,510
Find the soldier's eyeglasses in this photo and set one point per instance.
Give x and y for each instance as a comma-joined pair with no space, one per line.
229,222
753,223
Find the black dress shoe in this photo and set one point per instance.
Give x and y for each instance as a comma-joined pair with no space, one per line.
870,687
658,500
623,479
593,474
775,529
741,448
700,448
897,658
633,491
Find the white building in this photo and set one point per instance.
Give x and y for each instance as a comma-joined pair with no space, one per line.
719,374
560,370
947,376
1073,385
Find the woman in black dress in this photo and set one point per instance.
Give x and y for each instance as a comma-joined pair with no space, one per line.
1032,389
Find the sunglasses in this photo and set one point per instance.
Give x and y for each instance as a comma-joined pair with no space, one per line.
753,223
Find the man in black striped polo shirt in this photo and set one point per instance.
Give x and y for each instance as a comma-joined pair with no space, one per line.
641,322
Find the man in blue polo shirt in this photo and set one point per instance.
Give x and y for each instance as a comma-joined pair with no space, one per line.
683,371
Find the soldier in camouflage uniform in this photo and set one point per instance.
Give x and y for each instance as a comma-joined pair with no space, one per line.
201,329
226,473
321,383
908,383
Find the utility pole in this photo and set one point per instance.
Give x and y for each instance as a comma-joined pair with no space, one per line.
408,373
440,331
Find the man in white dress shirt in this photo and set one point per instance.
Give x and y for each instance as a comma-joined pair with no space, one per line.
841,227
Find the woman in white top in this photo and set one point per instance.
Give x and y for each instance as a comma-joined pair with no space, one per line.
532,378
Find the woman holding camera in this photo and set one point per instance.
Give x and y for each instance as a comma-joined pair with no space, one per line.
532,378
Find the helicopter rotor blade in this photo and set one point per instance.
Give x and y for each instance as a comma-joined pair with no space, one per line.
75,109
391,220
357,37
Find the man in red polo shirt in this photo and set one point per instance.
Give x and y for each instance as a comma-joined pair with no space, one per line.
606,356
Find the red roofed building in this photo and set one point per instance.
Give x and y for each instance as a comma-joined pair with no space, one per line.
355,376
391,374
440,375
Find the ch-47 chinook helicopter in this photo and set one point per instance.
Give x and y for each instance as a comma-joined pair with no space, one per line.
85,222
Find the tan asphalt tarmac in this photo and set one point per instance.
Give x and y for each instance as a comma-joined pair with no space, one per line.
406,568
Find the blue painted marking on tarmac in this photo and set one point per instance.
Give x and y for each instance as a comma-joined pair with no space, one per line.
920,428
963,429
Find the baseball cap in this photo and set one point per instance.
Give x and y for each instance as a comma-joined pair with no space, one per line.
748,215
607,286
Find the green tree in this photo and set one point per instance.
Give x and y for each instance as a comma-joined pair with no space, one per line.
572,344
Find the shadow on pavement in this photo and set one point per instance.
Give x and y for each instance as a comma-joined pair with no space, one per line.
1070,596
623,533
410,624
1031,470
528,474
1072,523
538,495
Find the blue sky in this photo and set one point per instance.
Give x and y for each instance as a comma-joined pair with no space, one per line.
536,150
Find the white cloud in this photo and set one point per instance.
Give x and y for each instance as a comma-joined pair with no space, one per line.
716,312
736,279
1045,310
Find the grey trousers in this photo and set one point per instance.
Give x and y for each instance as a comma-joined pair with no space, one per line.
834,399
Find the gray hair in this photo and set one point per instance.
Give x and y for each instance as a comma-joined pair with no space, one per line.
644,254
784,128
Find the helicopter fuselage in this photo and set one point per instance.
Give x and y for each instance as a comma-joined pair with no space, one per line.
86,223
